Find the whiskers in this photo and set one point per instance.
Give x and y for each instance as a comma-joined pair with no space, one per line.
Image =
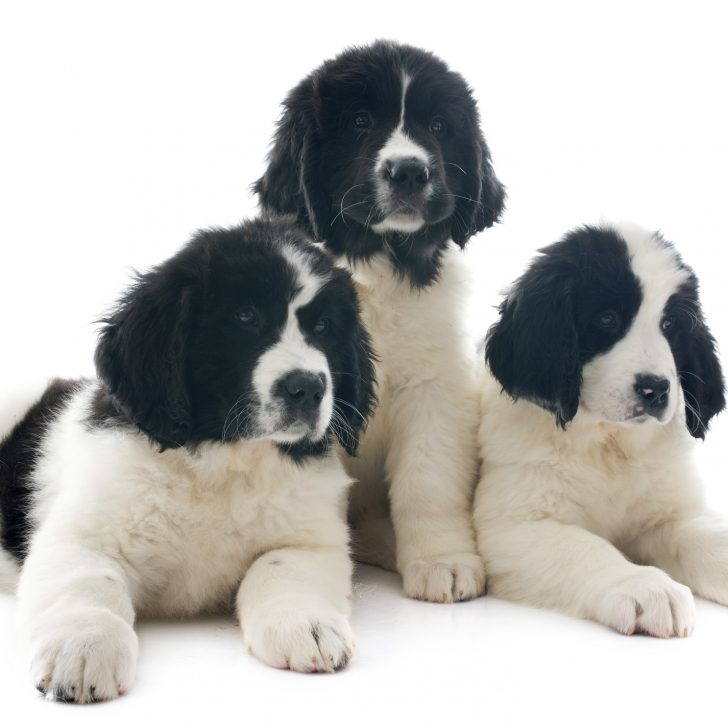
457,166
694,321
237,417
694,409
462,197
343,209
340,426
692,374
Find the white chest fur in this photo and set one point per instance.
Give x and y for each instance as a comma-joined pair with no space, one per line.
185,526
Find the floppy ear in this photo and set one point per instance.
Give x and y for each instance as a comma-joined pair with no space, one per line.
533,350
701,377
354,389
483,200
290,184
141,357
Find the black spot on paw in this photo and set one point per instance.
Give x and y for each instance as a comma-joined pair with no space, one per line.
64,695
343,662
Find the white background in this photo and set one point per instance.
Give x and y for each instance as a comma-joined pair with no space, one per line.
126,126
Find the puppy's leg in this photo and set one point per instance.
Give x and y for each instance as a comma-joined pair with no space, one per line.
77,614
293,606
432,468
372,532
566,568
692,550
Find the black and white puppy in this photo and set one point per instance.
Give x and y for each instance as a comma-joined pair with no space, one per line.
196,473
603,373
379,153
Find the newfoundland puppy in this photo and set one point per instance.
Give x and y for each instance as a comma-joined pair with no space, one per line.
379,154
603,372
196,472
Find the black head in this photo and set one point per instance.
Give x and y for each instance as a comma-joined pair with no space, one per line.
248,333
380,149
608,319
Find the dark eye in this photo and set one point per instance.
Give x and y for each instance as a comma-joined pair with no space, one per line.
438,126
609,320
247,317
667,323
362,120
321,327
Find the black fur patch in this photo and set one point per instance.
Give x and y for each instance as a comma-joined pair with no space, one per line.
321,167
104,412
548,327
19,452
694,350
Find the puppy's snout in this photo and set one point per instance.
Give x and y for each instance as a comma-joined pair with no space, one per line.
407,175
653,392
303,390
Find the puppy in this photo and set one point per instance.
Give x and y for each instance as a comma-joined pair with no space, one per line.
379,154
604,372
197,472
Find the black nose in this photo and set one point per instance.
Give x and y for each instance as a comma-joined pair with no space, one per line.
407,174
303,389
652,391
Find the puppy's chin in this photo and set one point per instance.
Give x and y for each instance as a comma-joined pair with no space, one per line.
629,416
400,223
298,431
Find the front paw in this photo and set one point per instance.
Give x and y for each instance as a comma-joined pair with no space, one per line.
649,602
447,578
83,656
300,637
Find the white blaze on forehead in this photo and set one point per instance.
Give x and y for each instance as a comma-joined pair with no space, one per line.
307,281
656,267
406,80
292,352
399,145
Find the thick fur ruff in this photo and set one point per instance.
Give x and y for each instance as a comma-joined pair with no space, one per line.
602,371
197,473
380,155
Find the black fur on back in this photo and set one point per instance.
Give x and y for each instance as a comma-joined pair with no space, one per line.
19,452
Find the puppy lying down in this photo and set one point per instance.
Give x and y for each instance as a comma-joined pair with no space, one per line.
196,472
602,371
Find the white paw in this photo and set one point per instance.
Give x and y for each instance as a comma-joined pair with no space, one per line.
448,578
649,602
301,638
83,656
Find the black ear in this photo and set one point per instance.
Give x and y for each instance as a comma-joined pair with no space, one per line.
533,350
290,184
483,199
701,376
141,357
354,389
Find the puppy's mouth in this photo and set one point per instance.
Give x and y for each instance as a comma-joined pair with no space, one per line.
637,415
382,211
312,427
403,221
640,415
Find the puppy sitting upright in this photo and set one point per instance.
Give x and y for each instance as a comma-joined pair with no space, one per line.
379,154
197,473
604,372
